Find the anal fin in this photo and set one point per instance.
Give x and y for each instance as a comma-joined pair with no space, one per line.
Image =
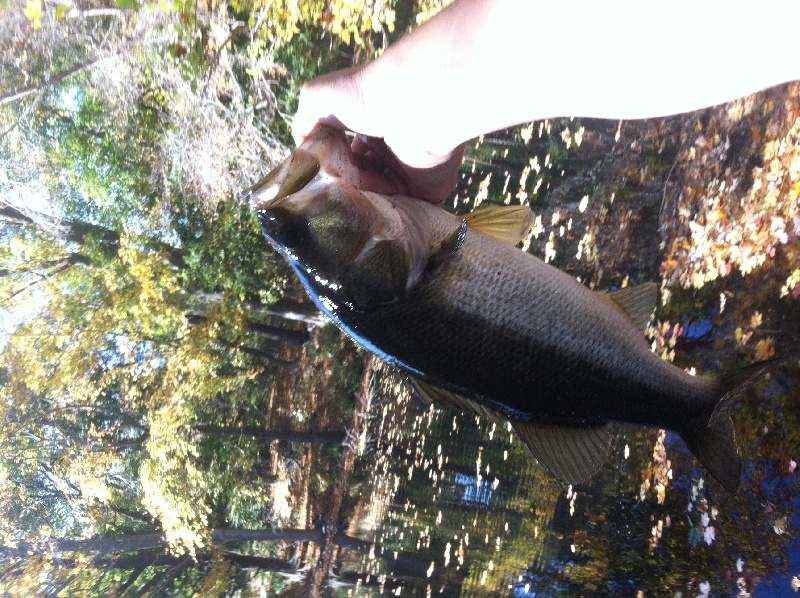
571,453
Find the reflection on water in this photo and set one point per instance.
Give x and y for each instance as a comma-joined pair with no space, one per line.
461,495
481,519
449,504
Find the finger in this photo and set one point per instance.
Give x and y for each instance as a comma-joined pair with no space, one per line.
383,182
435,184
334,99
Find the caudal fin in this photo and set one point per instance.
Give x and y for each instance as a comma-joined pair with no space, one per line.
715,447
713,441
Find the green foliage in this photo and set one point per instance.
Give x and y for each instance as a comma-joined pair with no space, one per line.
106,167
346,19
225,252
301,60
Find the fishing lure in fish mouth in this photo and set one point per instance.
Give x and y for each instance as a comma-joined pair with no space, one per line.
479,325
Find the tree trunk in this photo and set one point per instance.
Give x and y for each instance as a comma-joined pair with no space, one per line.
288,309
289,366
301,312
404,563
102,546
318,575
272,333
282,335
76,231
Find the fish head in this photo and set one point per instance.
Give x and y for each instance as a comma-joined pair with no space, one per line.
325,151
349,246
323,227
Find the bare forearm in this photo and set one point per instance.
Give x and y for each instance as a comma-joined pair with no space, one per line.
481,65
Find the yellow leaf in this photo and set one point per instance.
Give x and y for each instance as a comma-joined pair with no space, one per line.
33,10
765,349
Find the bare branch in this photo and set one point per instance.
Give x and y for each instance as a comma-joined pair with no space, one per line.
56,79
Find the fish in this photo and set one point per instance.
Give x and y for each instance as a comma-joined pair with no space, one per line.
476,323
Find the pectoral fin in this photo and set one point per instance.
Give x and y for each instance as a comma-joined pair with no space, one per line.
572,454
509,224
380,276
638,302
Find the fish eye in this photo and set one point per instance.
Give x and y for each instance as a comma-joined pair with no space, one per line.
291,235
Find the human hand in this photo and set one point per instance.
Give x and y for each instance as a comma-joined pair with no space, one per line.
385,149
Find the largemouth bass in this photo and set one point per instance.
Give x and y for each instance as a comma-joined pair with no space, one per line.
479,324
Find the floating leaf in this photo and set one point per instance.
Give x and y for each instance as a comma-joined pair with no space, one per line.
695,536
709,535
780,525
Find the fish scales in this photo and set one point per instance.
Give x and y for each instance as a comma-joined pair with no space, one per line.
510,328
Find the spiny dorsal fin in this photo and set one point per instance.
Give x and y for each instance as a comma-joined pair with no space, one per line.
571,453
638,302
509,224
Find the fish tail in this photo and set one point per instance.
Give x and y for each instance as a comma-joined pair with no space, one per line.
711,437
715,447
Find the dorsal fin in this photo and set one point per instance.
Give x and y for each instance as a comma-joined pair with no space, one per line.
571,453
638,302
509,224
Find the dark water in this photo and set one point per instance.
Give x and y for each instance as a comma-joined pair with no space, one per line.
456,506
464,496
